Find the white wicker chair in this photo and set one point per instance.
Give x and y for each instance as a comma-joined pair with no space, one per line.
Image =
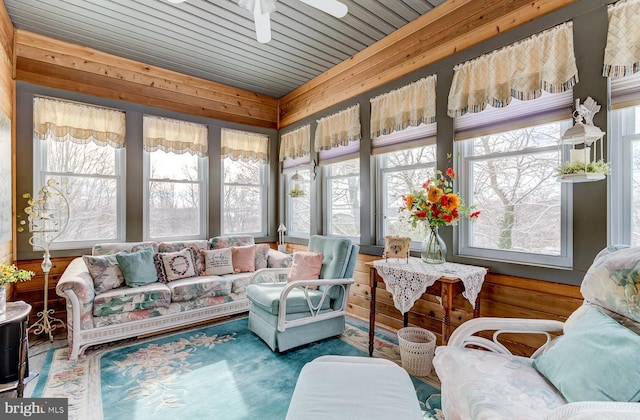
496,384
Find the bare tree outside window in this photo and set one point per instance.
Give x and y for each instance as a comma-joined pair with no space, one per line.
174,194
343,198
243,196
515,188
401,172
88,174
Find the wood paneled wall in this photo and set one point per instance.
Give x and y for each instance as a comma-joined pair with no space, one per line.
48,62
501,296
449,28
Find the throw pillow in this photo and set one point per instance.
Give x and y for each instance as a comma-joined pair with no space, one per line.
137,267
217,261
104,271
596,360
306,266
177,265
262,255
243,258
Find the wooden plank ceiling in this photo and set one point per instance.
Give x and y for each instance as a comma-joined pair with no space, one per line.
215,40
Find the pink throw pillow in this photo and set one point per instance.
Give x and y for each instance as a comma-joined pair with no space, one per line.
306,266
243,258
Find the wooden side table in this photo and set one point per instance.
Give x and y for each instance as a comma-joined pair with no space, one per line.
445,287
18,312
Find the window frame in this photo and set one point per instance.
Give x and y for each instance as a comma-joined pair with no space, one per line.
40,148
327,205
264,190
622,127
289,201
381,192
203,191
462,233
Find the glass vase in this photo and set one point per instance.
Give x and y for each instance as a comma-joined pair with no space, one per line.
3,300
434,250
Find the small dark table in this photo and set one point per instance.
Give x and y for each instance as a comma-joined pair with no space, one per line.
18,312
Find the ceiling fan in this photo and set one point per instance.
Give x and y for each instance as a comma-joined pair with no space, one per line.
262,10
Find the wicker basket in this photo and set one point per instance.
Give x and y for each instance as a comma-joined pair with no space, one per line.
417,347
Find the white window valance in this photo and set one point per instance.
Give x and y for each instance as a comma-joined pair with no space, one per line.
338,129
622,53
544,61
243,145
174,136
296,144
59,120
408,106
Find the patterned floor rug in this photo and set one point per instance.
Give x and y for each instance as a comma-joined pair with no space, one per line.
216,372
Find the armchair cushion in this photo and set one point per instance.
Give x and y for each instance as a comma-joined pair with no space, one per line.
267,297
306,266
596,360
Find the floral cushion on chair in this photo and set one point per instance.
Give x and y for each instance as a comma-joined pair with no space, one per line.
613,281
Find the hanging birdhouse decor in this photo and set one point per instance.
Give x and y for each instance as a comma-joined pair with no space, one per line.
581,149
297,190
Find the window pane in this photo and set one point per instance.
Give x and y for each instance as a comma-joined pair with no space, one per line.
299,203
173,166
403,171
635,230
69,157
343,198
243,207
174,209
516,193
93,208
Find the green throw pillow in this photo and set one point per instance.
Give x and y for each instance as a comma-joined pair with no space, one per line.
596,360
137,267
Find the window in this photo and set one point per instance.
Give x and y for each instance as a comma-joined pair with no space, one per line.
624,181
510,177
298,203
176,195
81,147
244,197
342,199
399,173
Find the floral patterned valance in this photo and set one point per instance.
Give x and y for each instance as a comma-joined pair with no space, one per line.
408,106
622,53
59,120
544,61
338,129
174,136
243,145
296,144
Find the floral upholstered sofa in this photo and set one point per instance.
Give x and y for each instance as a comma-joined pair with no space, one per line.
128,289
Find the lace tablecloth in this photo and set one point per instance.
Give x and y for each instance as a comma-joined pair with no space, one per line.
407,281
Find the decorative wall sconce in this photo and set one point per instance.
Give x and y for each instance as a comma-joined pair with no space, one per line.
581,149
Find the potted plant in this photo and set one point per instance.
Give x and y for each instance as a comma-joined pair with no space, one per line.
9,273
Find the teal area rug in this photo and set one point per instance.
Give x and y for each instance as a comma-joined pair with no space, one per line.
217,372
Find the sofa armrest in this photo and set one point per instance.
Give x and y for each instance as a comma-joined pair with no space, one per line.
596,409
76,286
277,259
464,334
326,286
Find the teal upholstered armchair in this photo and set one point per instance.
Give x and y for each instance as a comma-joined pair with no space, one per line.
290,314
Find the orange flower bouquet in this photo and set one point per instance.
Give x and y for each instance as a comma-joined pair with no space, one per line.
435,205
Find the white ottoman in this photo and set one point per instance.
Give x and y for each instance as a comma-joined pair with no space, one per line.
349,387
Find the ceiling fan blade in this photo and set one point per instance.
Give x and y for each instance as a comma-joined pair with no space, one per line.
332,7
